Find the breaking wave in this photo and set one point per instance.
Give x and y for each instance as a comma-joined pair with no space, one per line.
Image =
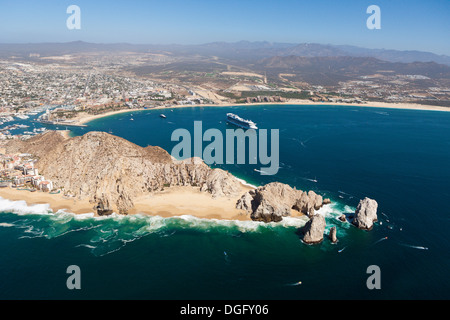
105,235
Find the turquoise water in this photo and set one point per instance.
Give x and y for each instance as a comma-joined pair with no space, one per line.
398,157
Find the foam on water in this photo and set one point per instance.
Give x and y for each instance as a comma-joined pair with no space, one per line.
108,234
245,183
332,212
21,207
6,225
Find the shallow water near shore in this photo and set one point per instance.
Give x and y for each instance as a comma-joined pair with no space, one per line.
398,157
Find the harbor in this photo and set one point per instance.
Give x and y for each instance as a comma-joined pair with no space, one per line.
25,125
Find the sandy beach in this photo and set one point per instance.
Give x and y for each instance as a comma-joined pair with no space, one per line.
56,201
85,118
388,105
177,201
174,201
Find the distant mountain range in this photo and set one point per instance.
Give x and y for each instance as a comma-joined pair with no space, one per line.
242,50
329,70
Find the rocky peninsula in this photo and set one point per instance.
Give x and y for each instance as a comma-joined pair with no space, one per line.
112,172
115,175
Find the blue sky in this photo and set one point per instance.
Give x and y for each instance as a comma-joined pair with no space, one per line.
405,24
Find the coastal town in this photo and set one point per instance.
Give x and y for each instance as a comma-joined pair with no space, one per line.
64,89
60,95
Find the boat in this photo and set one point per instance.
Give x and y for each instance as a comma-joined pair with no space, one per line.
162,116
242,123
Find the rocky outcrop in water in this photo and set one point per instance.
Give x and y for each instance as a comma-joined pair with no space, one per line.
332,235
366,214
274,201
314,229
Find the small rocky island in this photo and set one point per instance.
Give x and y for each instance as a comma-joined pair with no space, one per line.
112,173
366,214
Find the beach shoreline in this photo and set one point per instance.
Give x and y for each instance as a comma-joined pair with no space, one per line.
387,105
172,202
88,118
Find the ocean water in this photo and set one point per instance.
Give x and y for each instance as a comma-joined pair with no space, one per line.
398,157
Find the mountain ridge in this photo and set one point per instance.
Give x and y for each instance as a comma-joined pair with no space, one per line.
237,50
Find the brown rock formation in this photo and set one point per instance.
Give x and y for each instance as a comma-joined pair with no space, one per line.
332,235
314,229
112,172
308,202
275,200
366,214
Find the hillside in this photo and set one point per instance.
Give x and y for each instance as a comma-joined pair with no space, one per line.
112,172
331,70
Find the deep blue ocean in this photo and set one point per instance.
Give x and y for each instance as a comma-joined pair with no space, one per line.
401,158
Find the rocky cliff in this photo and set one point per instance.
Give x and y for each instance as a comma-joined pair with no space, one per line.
314,229
275,200
366,214
111,172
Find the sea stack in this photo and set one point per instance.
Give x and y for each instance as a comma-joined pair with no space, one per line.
366,214
314,229
333,236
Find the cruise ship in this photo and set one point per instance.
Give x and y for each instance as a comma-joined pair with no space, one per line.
242,123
